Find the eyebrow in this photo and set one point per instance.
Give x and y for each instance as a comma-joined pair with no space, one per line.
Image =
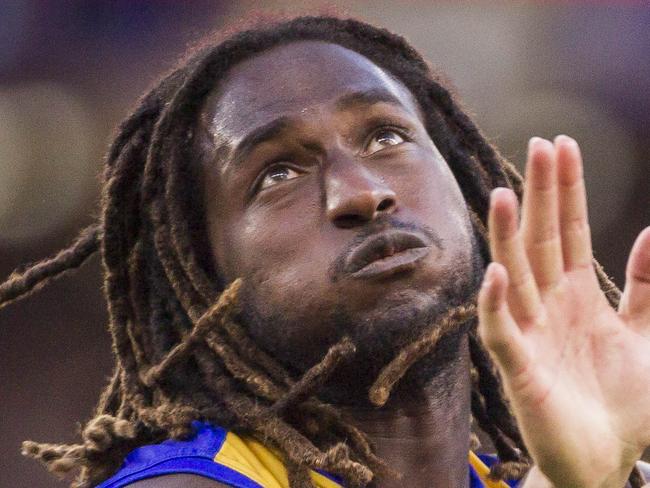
282,124
367,98
261,134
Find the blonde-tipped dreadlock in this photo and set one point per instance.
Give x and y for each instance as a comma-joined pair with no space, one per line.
180,354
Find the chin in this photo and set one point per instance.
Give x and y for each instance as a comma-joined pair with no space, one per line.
350,384
398,313
380,321
398,319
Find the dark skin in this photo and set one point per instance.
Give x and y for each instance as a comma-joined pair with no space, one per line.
336,169
345,162
292,208
347,165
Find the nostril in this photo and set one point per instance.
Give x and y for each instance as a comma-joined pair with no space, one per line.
385,204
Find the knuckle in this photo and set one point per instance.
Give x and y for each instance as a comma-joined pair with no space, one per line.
544,244
576,224
521,280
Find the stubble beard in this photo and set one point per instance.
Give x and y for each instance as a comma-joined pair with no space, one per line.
377,340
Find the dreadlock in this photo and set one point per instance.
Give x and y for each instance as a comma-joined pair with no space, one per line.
181,355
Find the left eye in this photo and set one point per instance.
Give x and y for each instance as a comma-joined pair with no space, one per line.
277,174
383,138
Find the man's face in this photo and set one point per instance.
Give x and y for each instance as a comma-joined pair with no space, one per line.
326,194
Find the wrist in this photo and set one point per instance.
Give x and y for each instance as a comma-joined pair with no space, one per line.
536,479
610,472
620,468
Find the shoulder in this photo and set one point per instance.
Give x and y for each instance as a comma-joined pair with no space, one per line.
176,481
171,462
212,457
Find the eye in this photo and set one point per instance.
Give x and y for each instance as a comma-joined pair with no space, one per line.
277,174
383,138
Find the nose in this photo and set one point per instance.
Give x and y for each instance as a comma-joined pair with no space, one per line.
354,196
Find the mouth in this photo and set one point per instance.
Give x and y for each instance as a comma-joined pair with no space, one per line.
386,254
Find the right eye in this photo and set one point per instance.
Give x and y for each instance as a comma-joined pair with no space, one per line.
277,174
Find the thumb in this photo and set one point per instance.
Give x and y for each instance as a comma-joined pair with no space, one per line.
635,302
498,330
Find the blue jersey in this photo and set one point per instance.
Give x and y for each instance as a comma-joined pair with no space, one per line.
240,462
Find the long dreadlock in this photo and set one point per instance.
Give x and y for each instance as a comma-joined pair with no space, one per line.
181,354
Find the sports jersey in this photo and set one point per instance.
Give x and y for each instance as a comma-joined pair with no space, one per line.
241,462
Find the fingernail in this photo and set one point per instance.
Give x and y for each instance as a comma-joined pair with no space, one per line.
533,141
499,191
564,139
539,143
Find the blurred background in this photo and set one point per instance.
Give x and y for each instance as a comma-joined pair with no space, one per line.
71,70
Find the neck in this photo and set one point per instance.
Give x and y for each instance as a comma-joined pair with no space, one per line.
423,435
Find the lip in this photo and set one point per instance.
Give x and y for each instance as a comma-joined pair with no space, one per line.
387,253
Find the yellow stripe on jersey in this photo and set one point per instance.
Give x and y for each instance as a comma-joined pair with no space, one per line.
482,471
257,462
260,464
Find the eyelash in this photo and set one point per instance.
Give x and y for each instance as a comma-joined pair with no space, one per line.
386,124
403,132
268,167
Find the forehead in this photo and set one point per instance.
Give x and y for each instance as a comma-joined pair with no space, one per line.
294,79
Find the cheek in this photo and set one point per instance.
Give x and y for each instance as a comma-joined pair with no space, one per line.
429,185
270,239
431,193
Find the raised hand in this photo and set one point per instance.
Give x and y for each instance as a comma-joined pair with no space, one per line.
576,371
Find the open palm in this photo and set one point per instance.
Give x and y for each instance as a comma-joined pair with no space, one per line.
577,372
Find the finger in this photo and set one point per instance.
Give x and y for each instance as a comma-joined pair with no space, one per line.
635,302
508,249
574,224
497,328
540,226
